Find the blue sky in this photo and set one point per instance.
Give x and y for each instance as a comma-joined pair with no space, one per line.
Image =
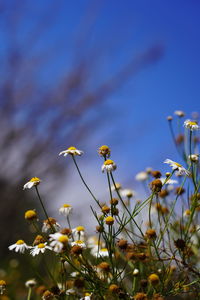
134,117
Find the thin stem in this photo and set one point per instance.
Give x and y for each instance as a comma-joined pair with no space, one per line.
87,187
29,293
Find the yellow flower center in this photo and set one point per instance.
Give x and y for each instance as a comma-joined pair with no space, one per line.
63,239
177,164
104,249
71,148
104,147
80,228
191,123
66,205
109,219
87,294
41,245
35,179
2,282
108,162
29,214
20,242
79,242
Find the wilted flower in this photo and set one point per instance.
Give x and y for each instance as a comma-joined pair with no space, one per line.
40,248
32,182
71,150
48,295
65,209
20,246
104,151
115,187
192,125
49,223
108,166
177,166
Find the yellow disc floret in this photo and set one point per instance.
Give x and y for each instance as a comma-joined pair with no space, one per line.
30,215
80,228
66,205
63,239
35,180
154,279
108,162
109,220
2,283
41,245
20,242
72,148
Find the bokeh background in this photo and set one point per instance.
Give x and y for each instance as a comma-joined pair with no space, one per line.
88,73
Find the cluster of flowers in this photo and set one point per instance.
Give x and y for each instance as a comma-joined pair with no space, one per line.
123,261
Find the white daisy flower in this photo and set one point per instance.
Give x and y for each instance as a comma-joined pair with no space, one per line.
40,248
177,166
127,193
141,176
71,150
192,125
2,286
108,166
32,182
179,113
78,243
65,210
49,223
20,246
58,241
79,233
103,252
30,283
74,274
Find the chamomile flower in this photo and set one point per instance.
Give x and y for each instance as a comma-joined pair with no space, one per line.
168,181
49,223
79,243
32,182
30,283
65,210
78,233
108,166
72,151
177,166
141,176
58,241
2,286
127,193
20,246
40,248
103,252
192,125
116,187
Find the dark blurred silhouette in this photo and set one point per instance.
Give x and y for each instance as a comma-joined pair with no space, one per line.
41,111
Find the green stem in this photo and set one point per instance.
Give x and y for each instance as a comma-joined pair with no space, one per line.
29,293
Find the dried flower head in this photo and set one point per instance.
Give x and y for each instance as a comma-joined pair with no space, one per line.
180,244
105,209
156,185
156,174
140,296
151,233
49,223
39,239
76,250
179,113
113,288
47,295
114,201
122,244
104,266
